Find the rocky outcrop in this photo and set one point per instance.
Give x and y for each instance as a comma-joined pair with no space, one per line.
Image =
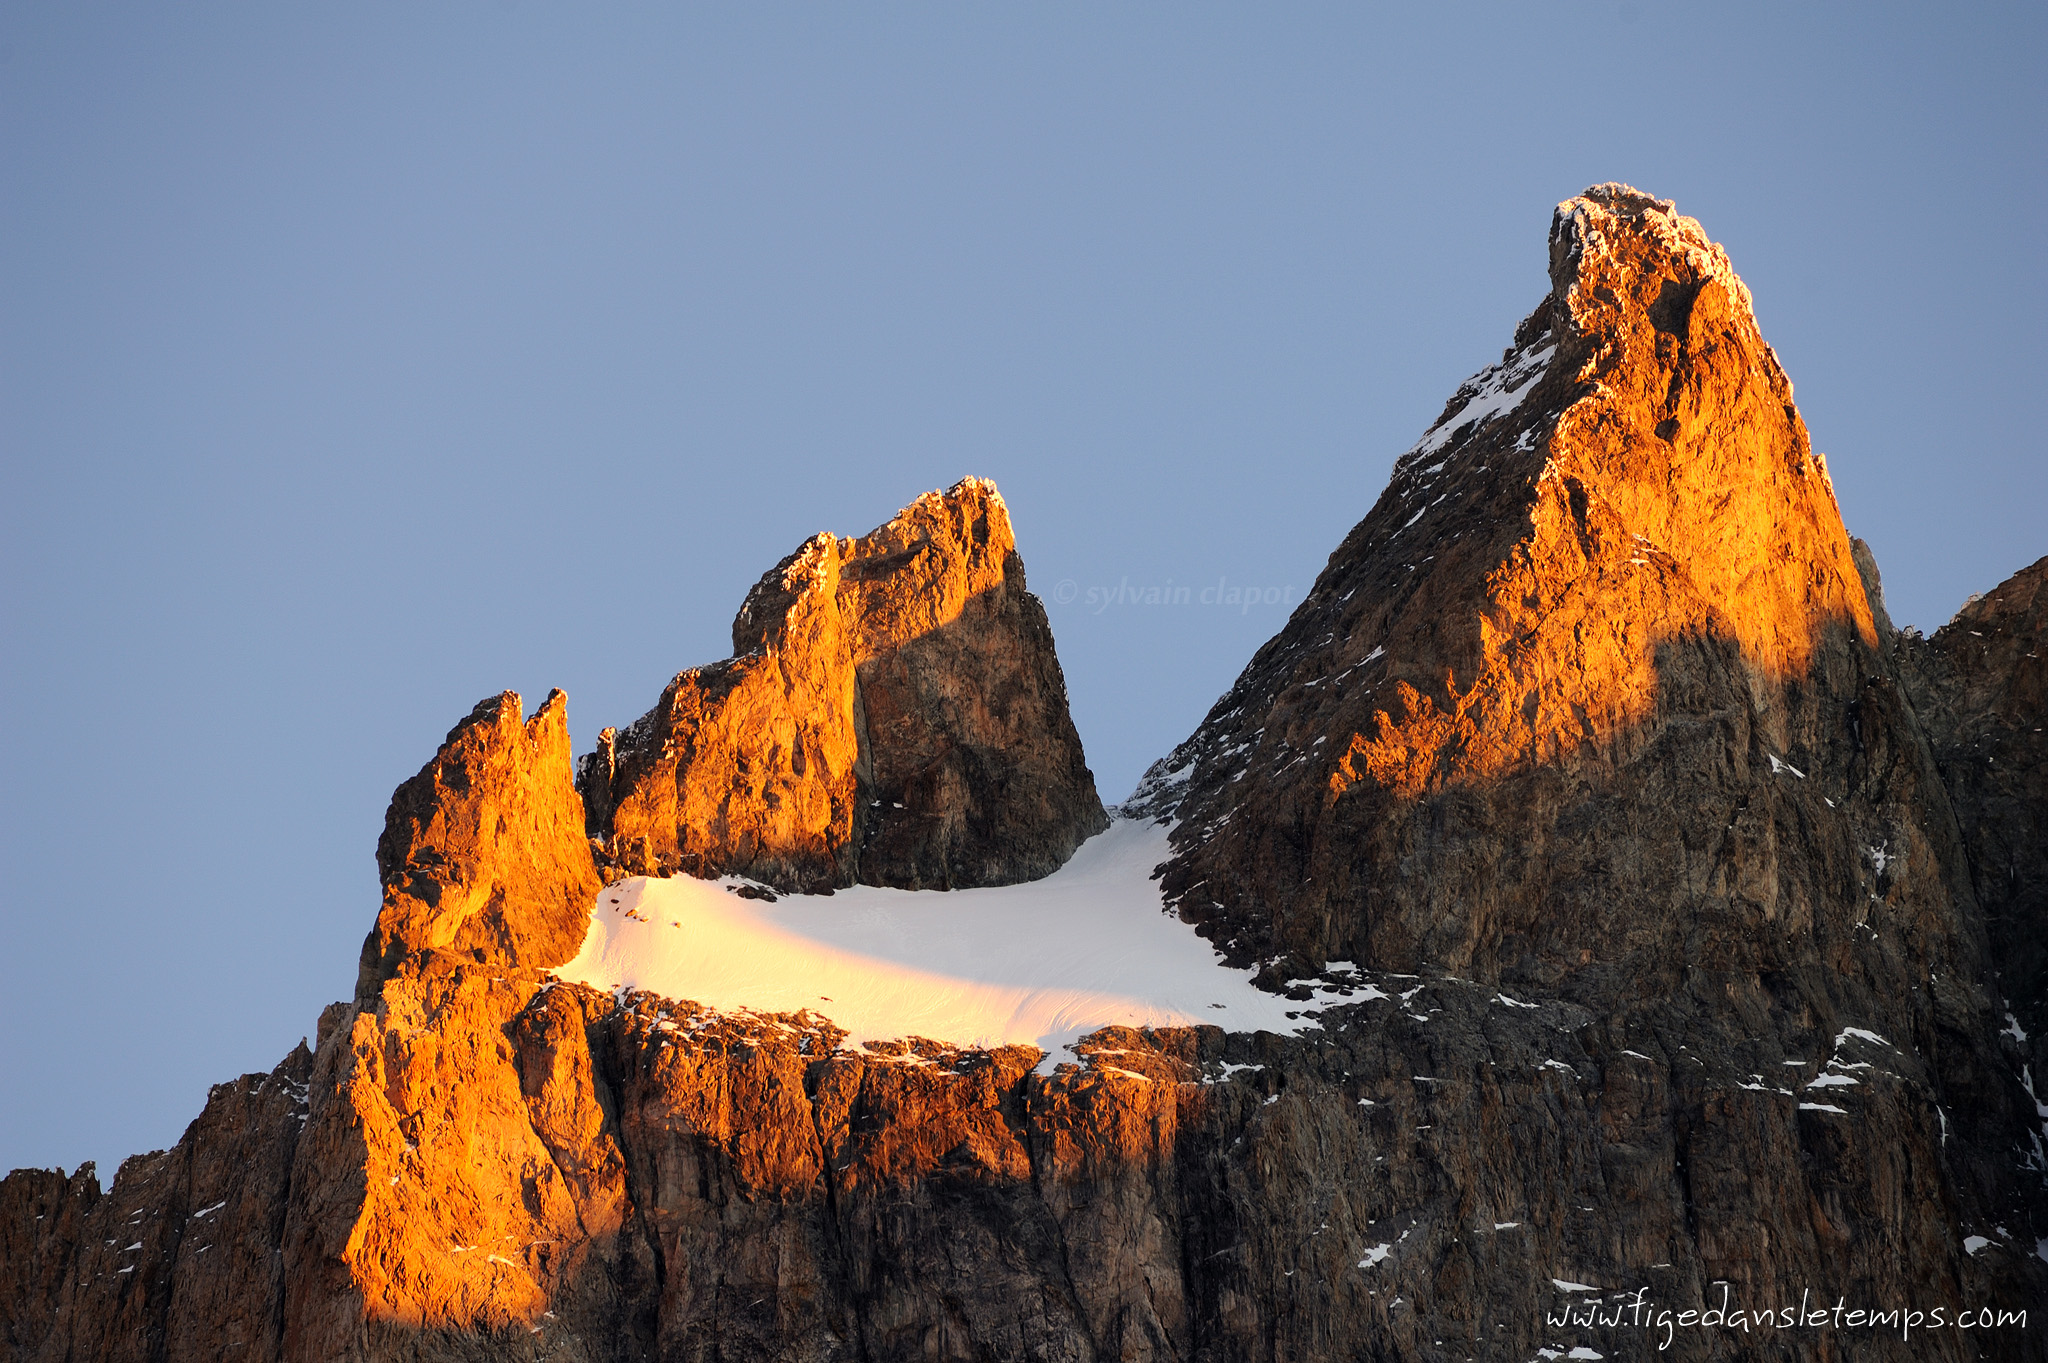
1424,1169
483,854
1592,747
1980,686
1593,706
472,1159
180,1259
456,1177
894,715
1613,555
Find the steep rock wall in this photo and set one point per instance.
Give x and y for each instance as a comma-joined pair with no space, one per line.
1980,685
483,853
894,715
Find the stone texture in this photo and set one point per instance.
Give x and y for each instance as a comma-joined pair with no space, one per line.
179,1260
1594,706
894,715
484,853
1179,1195
1980,686
1639,567
456,1174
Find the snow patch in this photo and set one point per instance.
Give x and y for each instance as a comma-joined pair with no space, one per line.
1494,391
1041,964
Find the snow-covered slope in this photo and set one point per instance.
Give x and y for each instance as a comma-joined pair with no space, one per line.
1042,963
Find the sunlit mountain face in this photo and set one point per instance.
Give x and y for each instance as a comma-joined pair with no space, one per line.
1585,912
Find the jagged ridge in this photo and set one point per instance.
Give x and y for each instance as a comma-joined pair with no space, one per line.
1628,783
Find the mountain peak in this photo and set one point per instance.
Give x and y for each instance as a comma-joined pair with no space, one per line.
483,853
893,714
1615,222
1618,527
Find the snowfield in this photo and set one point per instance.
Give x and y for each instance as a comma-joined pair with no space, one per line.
1042,964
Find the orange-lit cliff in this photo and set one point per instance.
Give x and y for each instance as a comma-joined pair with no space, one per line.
1674,925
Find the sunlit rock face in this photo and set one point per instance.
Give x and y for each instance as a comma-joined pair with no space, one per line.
894,714
483,853
1624,926
1593,706
1613,570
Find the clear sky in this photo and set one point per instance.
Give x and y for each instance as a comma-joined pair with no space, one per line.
359,361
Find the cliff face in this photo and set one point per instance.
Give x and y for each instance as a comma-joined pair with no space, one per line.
483,854
1981,687
1593,704
180,1259
1640,875
1613,563
894,715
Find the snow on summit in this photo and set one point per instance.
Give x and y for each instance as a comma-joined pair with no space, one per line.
1042,964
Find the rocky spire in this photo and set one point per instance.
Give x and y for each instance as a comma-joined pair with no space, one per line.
1618,528
483,853
894,714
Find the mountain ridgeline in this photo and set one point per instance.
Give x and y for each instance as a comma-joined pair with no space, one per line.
1674,927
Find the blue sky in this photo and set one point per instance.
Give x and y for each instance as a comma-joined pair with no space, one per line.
358,362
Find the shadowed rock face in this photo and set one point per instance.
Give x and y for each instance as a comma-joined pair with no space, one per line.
1593,706
894,715
1981,687
180,1259
1591,747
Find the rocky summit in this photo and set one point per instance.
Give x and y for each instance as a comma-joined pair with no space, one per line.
483,854
1651,936
894,714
